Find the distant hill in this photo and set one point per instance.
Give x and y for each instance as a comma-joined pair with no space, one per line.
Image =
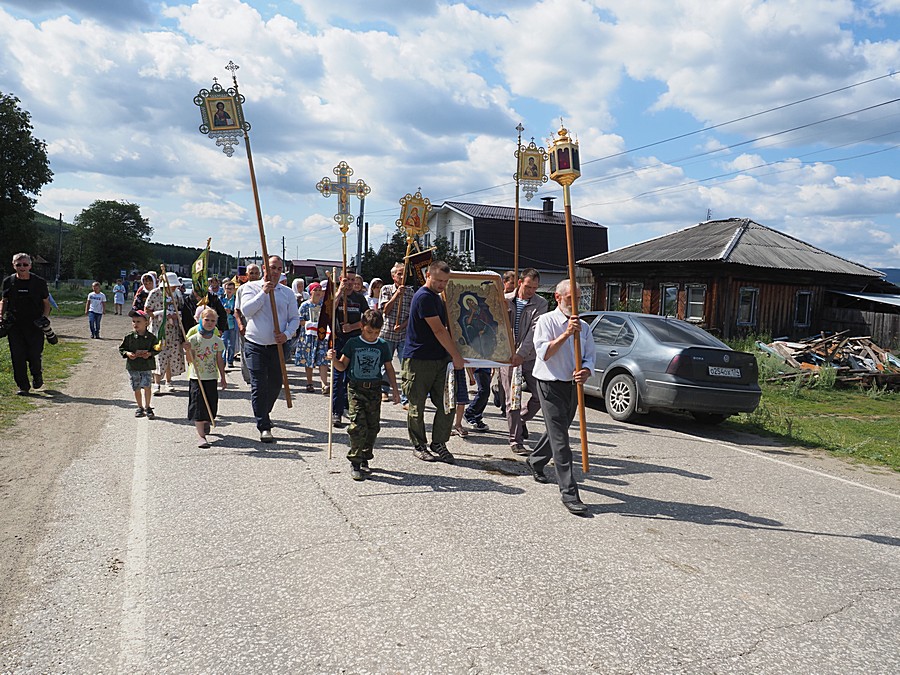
893,274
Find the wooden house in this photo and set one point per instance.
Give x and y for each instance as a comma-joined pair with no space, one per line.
732,277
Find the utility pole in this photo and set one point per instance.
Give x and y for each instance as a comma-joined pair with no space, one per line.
366,246
283,254
59,253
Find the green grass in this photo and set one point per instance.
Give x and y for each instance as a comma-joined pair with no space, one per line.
857,423
71,299
58,362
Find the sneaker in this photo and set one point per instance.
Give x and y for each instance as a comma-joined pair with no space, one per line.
336,421
443,454
139,412
150,414
519,449
364,467
478,425
38,382
266,436
22,392
356,473
423,453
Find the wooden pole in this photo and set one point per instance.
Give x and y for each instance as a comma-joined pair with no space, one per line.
331,379
573,288
190,352
265,252
519,128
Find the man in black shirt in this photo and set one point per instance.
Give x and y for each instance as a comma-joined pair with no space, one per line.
25,299
349,307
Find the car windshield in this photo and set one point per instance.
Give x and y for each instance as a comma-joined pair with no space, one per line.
678,332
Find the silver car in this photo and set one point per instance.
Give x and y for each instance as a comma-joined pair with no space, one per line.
646,361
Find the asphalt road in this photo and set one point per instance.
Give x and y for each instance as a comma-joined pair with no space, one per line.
703,552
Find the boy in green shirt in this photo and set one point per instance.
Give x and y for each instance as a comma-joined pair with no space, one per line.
364,356
138,347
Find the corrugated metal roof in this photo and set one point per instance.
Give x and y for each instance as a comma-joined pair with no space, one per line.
736,240
883,298
525,215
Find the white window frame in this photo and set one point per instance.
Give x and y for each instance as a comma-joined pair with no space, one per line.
753,292
662,299
639,300
797,321
618,299
691,289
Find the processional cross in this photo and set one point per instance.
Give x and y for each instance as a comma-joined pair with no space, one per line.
343,188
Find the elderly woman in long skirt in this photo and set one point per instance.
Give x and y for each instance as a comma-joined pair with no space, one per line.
170,360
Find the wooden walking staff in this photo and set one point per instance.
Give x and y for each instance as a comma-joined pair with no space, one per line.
331,345
190,352
223,119
565,168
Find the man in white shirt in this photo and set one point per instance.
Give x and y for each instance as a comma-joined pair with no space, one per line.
262,340
556,372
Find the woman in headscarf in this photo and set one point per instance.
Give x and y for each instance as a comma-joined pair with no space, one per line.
299,288
170,359
148,283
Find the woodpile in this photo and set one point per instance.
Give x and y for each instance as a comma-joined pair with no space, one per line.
856,360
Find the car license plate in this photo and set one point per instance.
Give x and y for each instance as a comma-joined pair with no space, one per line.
718,371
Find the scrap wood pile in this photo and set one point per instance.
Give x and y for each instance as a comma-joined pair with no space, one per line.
856,360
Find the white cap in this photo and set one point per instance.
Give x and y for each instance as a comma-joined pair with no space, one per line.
173,279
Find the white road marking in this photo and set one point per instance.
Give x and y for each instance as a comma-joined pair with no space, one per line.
133,635
761,455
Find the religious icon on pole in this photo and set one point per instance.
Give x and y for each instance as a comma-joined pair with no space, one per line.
414,211
222,115
531,172
342,187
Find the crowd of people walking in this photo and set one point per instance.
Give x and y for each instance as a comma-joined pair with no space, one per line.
176,330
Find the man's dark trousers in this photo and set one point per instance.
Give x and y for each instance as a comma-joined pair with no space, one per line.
265,380
559,403
476,408
365,419
26,344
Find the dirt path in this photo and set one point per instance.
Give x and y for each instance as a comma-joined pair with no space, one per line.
44,442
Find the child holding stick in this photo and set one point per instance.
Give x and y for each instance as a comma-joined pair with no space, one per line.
206,351
364,356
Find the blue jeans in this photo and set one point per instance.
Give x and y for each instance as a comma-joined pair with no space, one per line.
339,384
394,347
265,380
229,337
476,408
94,323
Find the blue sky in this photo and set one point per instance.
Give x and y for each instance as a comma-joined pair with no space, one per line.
427,94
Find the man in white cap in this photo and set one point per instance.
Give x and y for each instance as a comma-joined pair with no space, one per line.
262,339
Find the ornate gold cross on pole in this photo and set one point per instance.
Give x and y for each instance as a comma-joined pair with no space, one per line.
343,188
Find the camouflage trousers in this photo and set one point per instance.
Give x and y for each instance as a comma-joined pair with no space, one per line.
365,419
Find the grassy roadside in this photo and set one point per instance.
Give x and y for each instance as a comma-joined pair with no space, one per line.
863,424
58,362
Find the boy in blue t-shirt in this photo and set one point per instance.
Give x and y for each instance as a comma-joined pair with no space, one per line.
363,357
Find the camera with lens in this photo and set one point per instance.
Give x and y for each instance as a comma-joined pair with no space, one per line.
4,327
44,324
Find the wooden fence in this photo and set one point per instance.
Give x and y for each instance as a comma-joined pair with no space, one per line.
884,329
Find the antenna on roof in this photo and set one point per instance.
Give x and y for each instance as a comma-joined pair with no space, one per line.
709,214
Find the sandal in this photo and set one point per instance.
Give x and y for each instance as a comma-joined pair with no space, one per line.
311,389
326,390
459,431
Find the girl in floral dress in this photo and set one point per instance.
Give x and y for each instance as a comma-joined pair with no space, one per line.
170,360
311,350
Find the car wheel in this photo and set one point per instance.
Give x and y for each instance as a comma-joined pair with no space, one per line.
709,418
621,398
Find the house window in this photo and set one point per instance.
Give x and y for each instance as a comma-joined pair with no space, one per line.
802,308
634,298
696,299
426,240
467,241
613,296
749,298
668,300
